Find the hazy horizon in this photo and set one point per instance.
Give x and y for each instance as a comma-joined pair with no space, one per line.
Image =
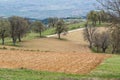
45,8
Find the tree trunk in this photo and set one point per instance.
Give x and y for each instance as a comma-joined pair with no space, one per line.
113,51
3,37
59,36
104,50
14,41
114,48
2,40
90,45
19,38
99,22
97,49
95,23
40,34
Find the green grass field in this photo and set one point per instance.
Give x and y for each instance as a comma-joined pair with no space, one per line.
110,68
76,26
24,74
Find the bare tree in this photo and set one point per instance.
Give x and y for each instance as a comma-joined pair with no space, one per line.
101,41
96,41
4,29
60,27
38,27
22,27
105,40
19,27
115,38
52,21
13,23
112,7
89,32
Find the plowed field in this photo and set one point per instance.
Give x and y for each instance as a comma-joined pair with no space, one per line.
54,62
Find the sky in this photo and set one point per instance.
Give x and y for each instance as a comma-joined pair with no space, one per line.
46,8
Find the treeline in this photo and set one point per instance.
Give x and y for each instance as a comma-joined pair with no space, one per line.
16,27
98,17
109,39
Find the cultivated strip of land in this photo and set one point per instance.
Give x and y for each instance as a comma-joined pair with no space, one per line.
76,63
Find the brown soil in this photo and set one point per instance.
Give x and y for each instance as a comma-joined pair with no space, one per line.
73,42
55,62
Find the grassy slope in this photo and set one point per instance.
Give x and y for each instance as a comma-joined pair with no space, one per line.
76,26
108,69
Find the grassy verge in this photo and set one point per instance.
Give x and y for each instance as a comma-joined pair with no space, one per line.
76,26
24,74
49,32
110,68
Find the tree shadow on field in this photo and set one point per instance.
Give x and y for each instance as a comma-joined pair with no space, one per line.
38,37
62,39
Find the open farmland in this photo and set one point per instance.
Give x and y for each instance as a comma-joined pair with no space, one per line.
79,45
69,56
